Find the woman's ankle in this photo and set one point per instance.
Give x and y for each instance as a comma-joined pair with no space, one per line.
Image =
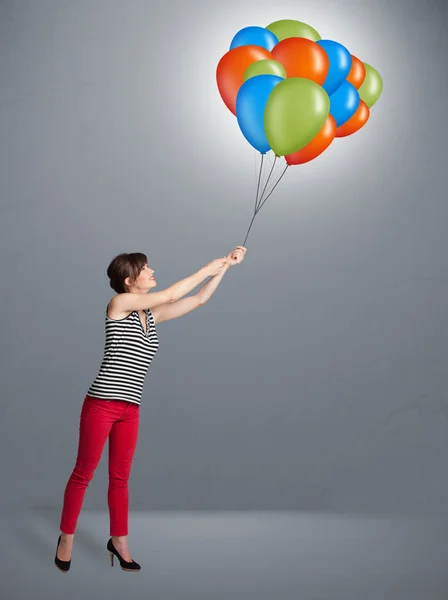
119,538
67,537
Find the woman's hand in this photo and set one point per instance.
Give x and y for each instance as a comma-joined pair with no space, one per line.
215,267
237,255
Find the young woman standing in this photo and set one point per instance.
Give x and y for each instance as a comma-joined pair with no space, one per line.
111,407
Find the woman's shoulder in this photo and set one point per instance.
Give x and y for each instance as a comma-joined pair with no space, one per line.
112,312
115,313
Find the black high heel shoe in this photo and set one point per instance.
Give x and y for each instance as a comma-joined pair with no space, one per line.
62,565
126,566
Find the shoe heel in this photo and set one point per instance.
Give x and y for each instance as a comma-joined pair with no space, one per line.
125,565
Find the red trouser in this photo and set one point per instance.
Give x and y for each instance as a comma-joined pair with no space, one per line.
100,419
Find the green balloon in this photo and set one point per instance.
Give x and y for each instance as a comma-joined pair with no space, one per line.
265,67
295,112
287,28
371,87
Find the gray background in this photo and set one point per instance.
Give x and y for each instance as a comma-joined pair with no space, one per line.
315,378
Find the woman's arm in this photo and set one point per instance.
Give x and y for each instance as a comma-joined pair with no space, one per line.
128,301
182,287
208,289
172,310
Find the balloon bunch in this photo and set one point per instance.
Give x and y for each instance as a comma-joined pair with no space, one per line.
293,92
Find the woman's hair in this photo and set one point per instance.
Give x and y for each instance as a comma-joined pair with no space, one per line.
125,265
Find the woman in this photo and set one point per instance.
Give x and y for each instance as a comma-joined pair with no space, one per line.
111,406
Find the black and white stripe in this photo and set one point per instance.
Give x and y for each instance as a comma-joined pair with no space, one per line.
128,352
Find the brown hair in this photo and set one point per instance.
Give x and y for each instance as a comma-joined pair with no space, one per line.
125,265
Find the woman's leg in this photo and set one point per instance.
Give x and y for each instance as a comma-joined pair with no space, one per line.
122,444
95,424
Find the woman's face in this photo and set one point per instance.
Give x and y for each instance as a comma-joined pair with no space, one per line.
146,280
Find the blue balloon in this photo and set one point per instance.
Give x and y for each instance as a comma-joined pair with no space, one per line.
344,103
254,36
250,104
340,64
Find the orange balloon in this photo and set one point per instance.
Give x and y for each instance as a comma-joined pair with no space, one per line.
302,58
231,68
357,73
317,145
356,121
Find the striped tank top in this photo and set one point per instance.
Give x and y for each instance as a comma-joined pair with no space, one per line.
128,352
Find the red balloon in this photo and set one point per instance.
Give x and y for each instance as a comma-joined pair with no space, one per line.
302,58
357,73
317,145
231,68
356,121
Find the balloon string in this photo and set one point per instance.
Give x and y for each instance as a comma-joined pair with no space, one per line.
256,211
267,181
259,179
256,197
276,184
247,234
272,179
